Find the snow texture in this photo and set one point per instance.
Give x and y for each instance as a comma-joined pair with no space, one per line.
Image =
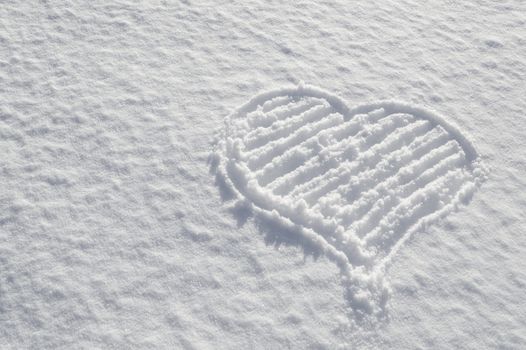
114,234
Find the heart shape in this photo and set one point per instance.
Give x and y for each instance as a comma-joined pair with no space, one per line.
355,182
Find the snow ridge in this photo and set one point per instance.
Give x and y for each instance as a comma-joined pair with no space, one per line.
355,182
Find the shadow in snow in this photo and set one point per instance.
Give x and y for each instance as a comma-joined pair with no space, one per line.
278,235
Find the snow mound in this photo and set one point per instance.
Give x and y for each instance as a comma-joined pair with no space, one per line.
357,183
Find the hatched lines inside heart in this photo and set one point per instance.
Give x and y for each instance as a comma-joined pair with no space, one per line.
373,174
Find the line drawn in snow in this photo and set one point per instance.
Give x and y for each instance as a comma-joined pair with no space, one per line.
355,183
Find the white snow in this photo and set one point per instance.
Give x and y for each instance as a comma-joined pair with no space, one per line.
116,232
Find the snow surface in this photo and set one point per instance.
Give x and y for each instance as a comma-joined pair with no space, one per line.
114,229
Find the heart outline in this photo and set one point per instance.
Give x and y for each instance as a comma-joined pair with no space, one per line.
365,284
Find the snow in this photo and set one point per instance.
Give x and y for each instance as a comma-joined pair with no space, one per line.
115,232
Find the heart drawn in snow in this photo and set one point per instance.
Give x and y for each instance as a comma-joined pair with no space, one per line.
355,182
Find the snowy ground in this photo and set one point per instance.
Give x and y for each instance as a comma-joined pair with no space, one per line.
115,234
